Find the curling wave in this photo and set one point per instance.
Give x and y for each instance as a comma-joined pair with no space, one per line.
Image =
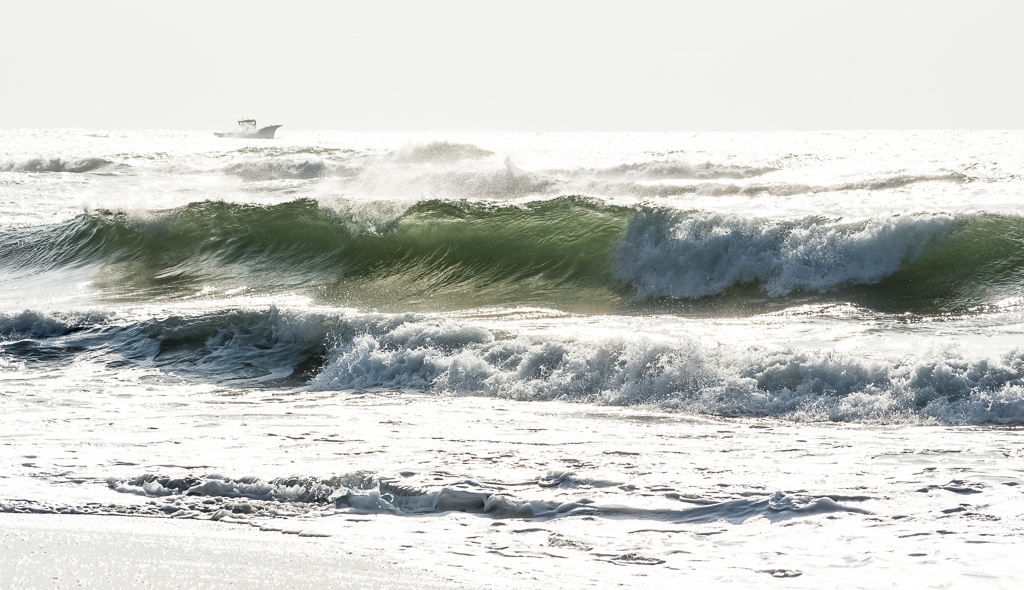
695,254
453,254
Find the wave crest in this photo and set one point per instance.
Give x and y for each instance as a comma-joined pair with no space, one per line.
552,253
449,357
439,151
675,169
680,375
273,169
695,254
77,165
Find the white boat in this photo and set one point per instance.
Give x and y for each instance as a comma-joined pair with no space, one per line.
247,128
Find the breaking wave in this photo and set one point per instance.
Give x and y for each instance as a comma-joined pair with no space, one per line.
273,169
455,359
695,254
439,151
453,184
660,169
348,253
78,165
274,163
216,497
549,252
326,352
446,170
249,346
361,492
776,189
243,500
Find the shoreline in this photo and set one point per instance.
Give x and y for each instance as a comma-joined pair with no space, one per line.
72,551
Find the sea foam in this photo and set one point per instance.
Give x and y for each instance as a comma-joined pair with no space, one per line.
691,254
449,358
58,164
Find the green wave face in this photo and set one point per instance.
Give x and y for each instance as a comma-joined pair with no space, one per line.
569,253
434,255
462,255
981,264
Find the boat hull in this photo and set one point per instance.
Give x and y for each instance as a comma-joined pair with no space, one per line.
267,132
262,133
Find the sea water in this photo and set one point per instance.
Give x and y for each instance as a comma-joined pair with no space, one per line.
521,359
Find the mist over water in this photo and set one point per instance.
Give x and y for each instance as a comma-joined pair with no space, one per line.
312,318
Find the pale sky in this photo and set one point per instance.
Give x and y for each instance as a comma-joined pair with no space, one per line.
525,65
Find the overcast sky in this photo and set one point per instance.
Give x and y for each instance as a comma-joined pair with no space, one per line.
524,65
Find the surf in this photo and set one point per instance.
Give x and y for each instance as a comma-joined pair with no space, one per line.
440,254
348,351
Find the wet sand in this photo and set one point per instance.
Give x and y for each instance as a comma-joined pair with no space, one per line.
74,551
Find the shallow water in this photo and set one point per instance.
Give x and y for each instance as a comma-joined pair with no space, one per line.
618,356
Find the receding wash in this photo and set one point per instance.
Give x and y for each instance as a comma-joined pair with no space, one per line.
584,359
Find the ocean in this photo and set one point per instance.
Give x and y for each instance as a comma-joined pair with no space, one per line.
515,359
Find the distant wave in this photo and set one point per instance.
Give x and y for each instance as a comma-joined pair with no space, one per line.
443,170
278,151
272,163
674,169
777,189
447,357
560,250
394,177
439,151
633,180
489,183
78,165
272,169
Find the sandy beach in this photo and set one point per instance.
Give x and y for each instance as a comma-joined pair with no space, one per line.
76,551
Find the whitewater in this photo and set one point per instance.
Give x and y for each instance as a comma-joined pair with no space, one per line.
514,359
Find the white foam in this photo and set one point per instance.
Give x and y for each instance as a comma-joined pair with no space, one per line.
362,493
53,164
450,357
673,169
277,168
483,181
36,324
695,254
445,357
438,151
